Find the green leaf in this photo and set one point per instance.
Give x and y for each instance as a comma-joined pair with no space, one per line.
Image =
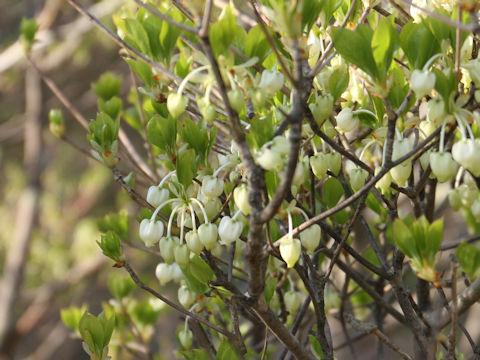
186,167
332,191
468,256
107,86
384,43
196,136
201,270
435,236
317,348
310,12
143,312
192,282
226,352
91,331
338,83
403,238
196,354
120,286
169,34
143,71
445,84
398,89
261,130
222,33
110,245
355,47
162,132
256,44
111,107
270,289
379,107
71,316
118,223
28,29
419,44
137,36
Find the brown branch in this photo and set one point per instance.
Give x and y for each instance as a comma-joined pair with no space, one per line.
175,306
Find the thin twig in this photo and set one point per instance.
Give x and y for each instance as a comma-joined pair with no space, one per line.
177,307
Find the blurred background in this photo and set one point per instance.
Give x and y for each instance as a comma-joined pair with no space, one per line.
51,194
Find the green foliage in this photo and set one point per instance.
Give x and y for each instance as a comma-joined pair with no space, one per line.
71,316
107,86
96,333
28,29
120,286
162,132
468,256
110,245
119,223
420,241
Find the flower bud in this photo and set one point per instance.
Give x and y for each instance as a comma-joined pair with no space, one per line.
334,162
322,107
401,147
290,251
422,82
443,166
300,174
346,120
186,297
57,123
269,159
193,242
212,186
310,237
236,100
475,209
207,110
281,145
293,301
167,248
467,194
328,129
163,273
208,235
176,104
240,196
401,173
467,153
455,199
385,181
185,337
473,67
271,82
150,231
229,230
436,110
182,255
157,196
319,165
357,178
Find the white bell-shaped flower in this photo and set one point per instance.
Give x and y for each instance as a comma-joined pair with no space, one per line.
290,249
422,82
157,196
208,235
212,186
151,231
229,230
271,82
310,237
467,153
443,166
347,120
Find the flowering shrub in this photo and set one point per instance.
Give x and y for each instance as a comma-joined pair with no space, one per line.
271,127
